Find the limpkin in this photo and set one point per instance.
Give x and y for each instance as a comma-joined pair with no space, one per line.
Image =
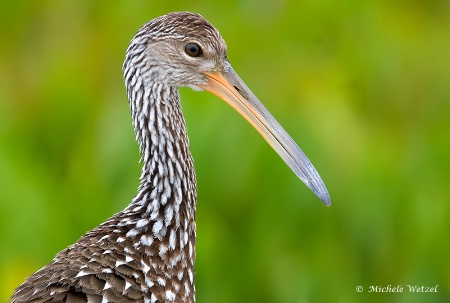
146,252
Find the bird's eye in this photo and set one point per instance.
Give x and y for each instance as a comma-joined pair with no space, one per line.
193,50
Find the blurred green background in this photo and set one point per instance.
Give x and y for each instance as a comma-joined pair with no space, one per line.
362,86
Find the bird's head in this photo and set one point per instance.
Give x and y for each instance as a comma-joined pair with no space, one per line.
183,49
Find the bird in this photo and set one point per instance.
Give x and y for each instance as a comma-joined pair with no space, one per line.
146,252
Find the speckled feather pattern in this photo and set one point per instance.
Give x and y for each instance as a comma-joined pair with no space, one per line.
146,252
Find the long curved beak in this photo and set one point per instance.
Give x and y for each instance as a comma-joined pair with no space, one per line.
229,87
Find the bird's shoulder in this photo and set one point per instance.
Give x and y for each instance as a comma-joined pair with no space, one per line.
89,270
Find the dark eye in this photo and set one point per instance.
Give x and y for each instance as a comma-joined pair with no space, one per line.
193,50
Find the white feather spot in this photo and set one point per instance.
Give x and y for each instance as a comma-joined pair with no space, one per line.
187,289
81,274
186,237
180,275
145,267
172,239
157,228
128,259
146,240
176,287
168,214
191,276
149,282
163,249
141,223
119,262
161,282
132,232
170,296
127,285
138,208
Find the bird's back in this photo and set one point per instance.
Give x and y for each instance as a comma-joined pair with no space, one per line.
91,270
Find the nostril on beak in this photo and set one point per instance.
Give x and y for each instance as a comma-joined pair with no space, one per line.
241,92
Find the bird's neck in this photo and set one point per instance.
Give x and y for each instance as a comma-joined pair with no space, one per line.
166,200
160,221
167,183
